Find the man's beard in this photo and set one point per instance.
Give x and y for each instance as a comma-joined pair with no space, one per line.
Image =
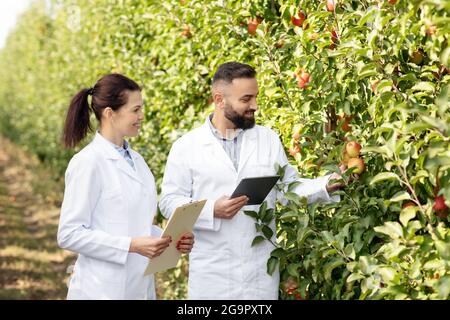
240,121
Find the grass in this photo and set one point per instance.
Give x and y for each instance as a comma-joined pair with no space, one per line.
32,266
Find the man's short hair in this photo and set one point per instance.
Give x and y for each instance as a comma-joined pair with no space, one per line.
233,70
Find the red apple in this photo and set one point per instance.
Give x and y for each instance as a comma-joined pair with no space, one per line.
345,158
305,76
346,127
252,25
392,1
301,83
297,20
353,149
290,284
439,204
334,36
334,39
358,163
408,204
294,150
331,5
296,135
417,57
186,31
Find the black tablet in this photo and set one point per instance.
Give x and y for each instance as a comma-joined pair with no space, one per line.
255,188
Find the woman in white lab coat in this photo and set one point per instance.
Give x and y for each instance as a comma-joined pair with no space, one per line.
110,197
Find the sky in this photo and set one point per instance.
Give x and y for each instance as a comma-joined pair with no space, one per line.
9,10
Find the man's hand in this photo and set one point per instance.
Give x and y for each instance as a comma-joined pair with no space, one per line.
226,208
336,181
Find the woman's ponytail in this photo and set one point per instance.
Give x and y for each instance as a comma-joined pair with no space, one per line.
111,91
77,122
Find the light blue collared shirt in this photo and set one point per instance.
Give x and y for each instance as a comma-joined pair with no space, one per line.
231,144
124,151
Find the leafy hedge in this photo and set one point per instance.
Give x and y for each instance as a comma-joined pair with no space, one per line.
378,74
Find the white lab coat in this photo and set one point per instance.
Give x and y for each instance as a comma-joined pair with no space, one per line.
106,203
222,264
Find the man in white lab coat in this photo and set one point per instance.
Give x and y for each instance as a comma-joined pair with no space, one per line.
208,163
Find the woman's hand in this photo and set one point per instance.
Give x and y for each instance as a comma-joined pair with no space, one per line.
185,243
148,246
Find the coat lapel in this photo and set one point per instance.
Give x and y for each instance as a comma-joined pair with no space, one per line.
125,167
214,147
121,163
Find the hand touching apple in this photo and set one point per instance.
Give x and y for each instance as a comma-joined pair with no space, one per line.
336,181
350,160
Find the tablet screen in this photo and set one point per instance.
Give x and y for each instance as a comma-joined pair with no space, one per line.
255,188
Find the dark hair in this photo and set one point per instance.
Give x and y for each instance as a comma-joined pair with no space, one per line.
233,70
109,91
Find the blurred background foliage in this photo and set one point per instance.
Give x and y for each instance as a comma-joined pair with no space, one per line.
378,73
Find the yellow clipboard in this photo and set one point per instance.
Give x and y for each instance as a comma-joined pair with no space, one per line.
180,222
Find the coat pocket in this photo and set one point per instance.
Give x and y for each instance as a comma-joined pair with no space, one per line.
100,271
112,204
209,275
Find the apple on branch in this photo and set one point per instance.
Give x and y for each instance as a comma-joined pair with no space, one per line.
357,163
331,5
353,148
252,25
298,19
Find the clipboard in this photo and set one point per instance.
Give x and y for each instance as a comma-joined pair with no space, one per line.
180,222
255,188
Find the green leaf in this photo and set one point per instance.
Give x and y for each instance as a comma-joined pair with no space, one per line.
292,269
289,215
400,196
272,264
443,248
434,264
393,229
292,197
366,264
303,234
417,127
407,214
386,273
350,251
257,240
423,86
330,266
252,214
444,287
384,176
355,277
267,218
262,210
278,253
267,231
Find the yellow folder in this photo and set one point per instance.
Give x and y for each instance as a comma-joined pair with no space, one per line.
180,222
